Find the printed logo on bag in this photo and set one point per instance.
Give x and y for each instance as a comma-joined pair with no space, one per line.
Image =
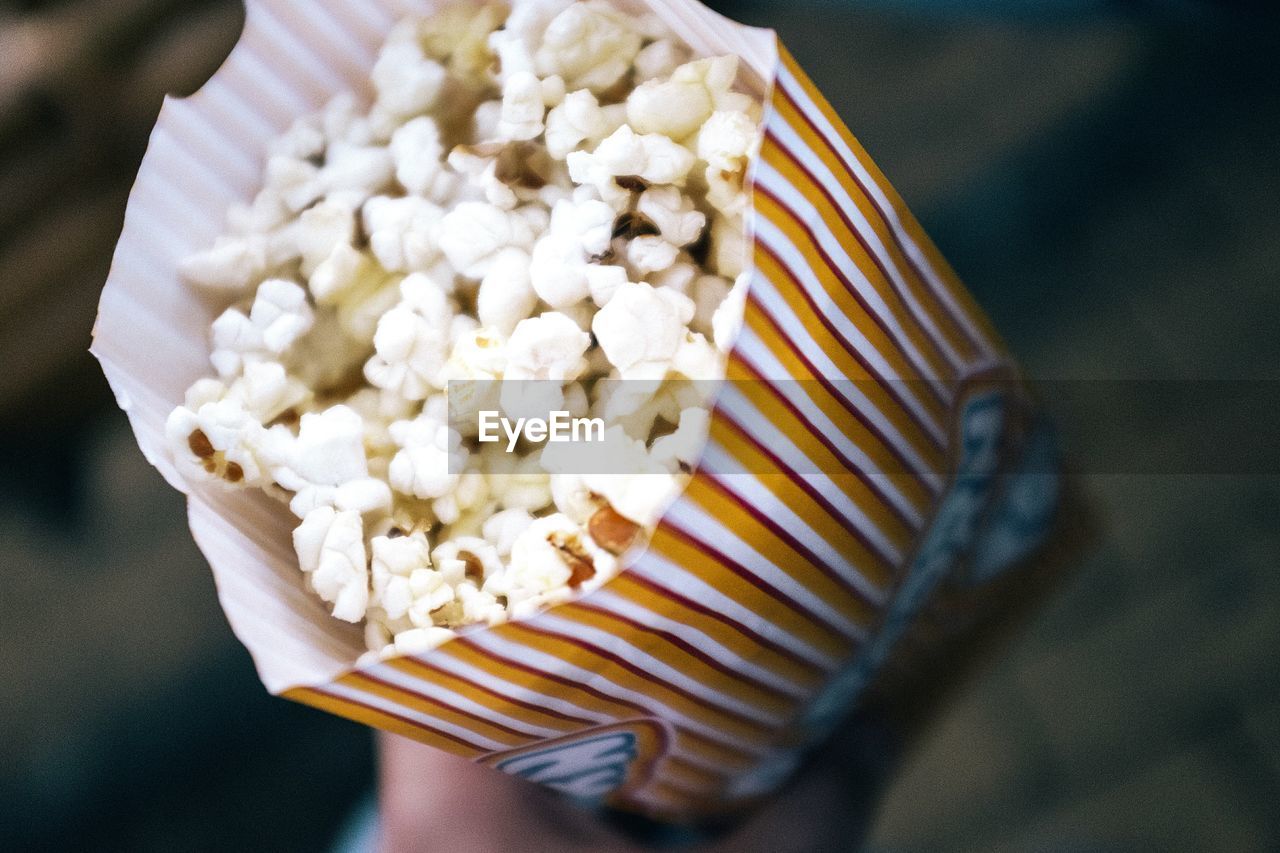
589,765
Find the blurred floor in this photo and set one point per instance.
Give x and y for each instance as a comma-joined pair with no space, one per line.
1106,187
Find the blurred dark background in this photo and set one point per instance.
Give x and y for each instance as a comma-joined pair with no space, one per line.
1104,177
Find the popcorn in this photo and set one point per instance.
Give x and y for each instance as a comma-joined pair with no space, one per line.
522,107
325,463
516,482
548,559
506,295
603,282
515,203
417,152
726,322
507,173
727,139
650,254
458,35
697,358
470,492
473,232
484,124
410,353
365,495
588,221
709,293
571,496
379,409
296,182
480,605
394,561
279,316
559,269
678,106
673,214
406,80
339,274
726,142
502,528
321,229
678,277
553,90
412,341
402,232
417,641
549,346
329,447
231,266
329,354
516,42
658,59
266,391
361,307
467,558
728,248
218,440
330,548
421,467
670,108
651,157
641,328
361,170
304,140
643,492
340,120
590,45
576,119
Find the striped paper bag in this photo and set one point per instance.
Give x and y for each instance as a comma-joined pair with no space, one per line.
868,449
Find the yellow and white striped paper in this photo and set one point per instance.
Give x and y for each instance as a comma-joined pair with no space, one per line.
688,686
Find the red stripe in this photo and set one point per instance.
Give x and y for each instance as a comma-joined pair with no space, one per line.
728,621
592,648
405,720
923,279
862,241
807,487
527,736
515,664
847,346
550,712
827,443
894,340
830,572
751,578
886,384
688,649
604,697
840,398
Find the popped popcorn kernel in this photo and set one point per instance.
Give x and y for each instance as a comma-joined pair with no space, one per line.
534,202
